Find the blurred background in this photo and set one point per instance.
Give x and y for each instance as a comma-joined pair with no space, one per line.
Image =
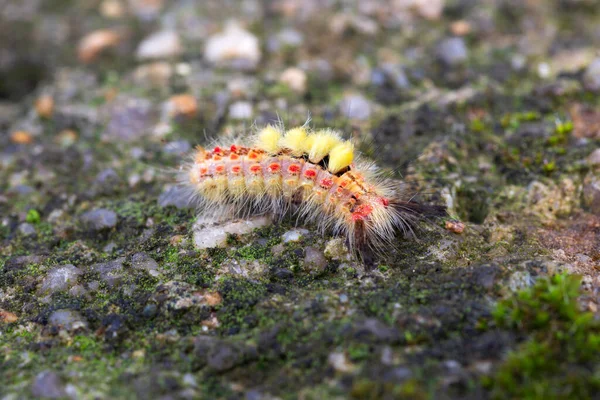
490,107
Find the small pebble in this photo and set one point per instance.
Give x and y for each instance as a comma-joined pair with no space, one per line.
99,219
60,278
452,51
7,317
68,319
593,159
21,137
294,235
44,106
314,259
216,235
48,385
355,106
184,105
93,44
241,110
164,44
26,229
295,79
155,74
176,196
234,47
591,76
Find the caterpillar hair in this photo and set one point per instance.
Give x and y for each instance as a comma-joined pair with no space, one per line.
316,175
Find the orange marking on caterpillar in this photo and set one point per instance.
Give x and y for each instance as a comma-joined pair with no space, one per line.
294,169
233,156
361,212
310,174
219,169
274,168
236,169
326,183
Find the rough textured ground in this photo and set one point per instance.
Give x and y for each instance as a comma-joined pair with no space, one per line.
489,107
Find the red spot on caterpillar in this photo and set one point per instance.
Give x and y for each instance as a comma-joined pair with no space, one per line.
203,170
236,169
357,217
233,148
294,169
361,212
252,155
219,169
217,149
310,173
233,156
344,184
326,183
274,167
384,201
255,168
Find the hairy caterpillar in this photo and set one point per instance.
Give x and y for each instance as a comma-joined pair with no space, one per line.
316,175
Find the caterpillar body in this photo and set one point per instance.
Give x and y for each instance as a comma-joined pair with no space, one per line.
316,175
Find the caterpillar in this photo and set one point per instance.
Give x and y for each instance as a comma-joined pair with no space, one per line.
316,175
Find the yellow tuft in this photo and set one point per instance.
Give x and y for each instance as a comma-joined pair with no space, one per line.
268,140
308,143
323,142
294,140
340,157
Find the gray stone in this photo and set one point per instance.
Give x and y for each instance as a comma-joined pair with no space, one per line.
213,235
241,110
99,219
26,229
177,196
224,357
314,259
591,76
593,159
110,272
106,181
373,330
60,278
68,319
144,262
392,73
130,119
452,51
355,106
18,262
48,385
398,374
591,193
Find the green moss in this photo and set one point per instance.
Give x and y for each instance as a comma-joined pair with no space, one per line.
561,357
33,216
512,121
